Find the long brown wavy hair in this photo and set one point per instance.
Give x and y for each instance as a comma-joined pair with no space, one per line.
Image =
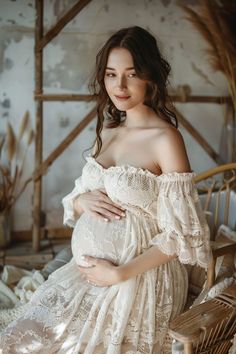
148,64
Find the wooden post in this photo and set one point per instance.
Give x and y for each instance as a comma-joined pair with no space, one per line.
40,42
211,273
188,348
39,123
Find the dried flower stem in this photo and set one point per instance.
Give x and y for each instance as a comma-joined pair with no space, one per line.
11,174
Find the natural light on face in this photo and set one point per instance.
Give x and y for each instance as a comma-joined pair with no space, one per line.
124,87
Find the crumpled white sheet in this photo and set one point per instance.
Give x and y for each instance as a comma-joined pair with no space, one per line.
17,285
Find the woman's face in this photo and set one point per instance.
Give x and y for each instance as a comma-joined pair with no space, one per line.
123,86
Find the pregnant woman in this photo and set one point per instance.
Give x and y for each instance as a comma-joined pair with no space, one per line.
136,216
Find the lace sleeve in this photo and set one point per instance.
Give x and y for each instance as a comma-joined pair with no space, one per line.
67,202
183,229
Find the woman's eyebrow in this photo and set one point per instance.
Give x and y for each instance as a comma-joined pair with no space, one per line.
109,68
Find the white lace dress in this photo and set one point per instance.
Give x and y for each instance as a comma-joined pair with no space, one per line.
68,315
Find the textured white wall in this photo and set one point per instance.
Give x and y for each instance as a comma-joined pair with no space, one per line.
68,62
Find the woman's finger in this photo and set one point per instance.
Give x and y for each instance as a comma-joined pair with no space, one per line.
99,216
109,201
105,209
92,261
109,214
114,209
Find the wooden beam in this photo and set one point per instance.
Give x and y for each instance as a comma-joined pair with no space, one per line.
198,137
201,99
64,97
64,144
55,30
39,124
87,97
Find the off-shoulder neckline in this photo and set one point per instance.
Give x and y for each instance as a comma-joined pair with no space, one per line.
131,168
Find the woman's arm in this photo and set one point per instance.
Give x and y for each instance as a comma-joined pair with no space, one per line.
152,258
102,272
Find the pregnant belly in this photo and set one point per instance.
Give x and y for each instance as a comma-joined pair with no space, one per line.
98,238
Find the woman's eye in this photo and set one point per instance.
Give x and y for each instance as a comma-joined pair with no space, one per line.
132,75
110,74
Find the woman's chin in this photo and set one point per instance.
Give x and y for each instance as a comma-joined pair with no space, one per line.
123,106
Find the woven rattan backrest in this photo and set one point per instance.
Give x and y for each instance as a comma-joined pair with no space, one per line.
217,191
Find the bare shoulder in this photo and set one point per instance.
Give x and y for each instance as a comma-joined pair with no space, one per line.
170,151
170,136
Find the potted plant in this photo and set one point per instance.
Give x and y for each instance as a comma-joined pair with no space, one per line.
13,152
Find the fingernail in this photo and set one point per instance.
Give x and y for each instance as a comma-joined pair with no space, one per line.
117,217
106,220
83,257
123,214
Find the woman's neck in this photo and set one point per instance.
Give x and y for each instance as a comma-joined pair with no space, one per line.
141,116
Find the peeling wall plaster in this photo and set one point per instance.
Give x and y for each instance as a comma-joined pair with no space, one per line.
68,63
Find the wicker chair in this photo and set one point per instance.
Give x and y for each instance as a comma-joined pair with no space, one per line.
209,327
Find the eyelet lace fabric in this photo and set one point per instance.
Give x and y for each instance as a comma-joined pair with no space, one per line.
68,315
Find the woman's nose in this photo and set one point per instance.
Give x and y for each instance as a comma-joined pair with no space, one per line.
122,82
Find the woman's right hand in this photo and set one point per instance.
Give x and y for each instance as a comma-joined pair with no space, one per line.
99,205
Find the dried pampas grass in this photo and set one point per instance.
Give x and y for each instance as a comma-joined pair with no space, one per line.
1,145
215,20
11,142
30,137
11,185
24,125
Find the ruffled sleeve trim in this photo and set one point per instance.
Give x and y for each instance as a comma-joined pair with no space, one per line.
183,229
69,217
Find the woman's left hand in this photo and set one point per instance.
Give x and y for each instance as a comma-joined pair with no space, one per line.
100,272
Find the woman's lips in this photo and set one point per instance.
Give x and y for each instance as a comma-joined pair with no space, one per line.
122,98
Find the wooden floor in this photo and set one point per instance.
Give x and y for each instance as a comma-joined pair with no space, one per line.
22,255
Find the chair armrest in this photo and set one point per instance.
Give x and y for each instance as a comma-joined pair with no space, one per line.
209,318
221,251
218,252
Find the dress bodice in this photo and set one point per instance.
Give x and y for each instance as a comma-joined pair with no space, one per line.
128,184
